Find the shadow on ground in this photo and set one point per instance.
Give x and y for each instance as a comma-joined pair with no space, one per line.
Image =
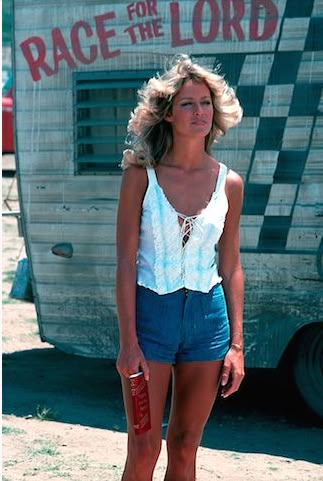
264,417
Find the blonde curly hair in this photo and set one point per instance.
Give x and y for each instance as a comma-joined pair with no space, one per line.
150,135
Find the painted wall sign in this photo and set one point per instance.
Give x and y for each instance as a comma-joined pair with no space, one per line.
179,24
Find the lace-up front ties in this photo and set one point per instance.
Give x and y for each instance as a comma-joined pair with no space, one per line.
187,223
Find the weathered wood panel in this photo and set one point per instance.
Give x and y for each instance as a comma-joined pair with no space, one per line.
288,270
241,138
59,121
91,253
98,334
317,141
66,311
311,67
276,102
37,140
53,294
58,188
277,149
54,233
82,272
45,163
299,236
91,212
297,134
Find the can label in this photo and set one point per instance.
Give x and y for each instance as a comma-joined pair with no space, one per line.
140,403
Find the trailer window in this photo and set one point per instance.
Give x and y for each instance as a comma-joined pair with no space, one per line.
102,105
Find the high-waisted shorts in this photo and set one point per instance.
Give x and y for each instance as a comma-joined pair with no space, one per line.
183,326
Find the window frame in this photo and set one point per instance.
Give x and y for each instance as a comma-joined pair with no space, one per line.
89,163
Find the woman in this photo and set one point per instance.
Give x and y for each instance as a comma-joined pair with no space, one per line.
179,309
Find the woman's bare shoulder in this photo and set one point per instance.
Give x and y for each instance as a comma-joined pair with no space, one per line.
136,173
234,186
134,179
132,191
234,180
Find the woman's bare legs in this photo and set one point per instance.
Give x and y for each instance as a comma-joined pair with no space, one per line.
195,386
144,449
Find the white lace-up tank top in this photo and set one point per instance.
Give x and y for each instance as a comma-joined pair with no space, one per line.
176,250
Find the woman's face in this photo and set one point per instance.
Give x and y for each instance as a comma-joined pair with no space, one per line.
192,110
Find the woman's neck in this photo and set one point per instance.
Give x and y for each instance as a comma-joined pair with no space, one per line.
187,155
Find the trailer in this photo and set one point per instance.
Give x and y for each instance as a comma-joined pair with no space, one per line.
77,67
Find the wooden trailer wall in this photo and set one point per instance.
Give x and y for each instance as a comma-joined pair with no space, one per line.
77,67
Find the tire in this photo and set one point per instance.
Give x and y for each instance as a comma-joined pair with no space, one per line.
308,367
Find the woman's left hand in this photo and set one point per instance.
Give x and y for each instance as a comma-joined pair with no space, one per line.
233,372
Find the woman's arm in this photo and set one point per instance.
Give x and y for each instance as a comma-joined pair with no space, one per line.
133,187
230,270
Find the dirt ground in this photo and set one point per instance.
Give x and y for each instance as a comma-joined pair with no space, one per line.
63,415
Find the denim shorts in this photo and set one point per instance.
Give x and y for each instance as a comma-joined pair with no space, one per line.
183,326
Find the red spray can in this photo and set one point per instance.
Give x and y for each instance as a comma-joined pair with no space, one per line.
140,403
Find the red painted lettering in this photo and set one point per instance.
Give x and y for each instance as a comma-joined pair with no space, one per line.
105,34
60,50
270,22
175,27
201,24
131,10
37,62
152,7
142,9
146,30
132,34
214,21
157,27
234,21
76,43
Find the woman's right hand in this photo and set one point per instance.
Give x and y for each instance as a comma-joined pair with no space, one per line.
131,360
